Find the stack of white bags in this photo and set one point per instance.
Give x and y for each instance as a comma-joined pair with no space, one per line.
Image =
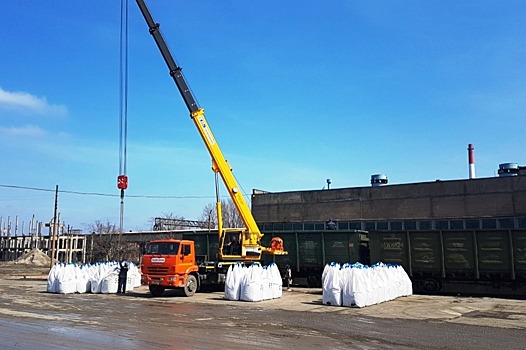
361,285
90,278
253,283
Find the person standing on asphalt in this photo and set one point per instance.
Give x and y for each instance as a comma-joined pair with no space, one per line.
123,276
288,277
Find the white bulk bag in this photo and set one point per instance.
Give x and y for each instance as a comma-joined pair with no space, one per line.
266,283
332,286
110,283
347,291
95,279
52,278
233,281
136,275
406,284
383,283
67,283
231,289
276,283
82,279
359,286
251,285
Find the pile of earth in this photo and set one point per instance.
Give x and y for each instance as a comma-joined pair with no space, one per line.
33,264
34,257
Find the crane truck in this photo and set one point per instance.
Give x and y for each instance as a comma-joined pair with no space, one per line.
172,263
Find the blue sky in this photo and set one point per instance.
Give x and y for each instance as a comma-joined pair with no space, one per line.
295,92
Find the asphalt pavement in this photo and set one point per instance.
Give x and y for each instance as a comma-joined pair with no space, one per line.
32,318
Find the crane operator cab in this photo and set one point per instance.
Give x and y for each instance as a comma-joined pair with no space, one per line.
232,245
235,244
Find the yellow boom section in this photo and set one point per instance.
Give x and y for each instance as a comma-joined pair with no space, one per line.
220,165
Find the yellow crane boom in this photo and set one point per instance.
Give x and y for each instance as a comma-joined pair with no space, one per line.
249,237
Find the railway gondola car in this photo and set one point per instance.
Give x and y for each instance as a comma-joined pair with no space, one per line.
467,262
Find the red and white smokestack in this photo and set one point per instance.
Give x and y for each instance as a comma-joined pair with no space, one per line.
471,157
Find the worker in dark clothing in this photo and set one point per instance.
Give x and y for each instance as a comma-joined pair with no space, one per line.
288,277
235,248
123,276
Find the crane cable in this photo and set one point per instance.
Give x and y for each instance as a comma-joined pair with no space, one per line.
122,179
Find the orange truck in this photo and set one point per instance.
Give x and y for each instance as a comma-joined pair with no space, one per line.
171,264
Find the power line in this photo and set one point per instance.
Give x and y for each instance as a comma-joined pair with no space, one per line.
81,193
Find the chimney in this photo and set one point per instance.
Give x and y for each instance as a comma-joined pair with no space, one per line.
471,158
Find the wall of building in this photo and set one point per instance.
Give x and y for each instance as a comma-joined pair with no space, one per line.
474,198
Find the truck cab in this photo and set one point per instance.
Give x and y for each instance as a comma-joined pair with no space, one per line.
170,264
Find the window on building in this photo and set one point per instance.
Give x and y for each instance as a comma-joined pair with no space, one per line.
308,226
472,223
278,226
288,226
369,226
442,225
355,225
489,223
425,225
267,227
506,223
343,226
319,226
410,225
297,226
395,225
382,225
456,224
521,222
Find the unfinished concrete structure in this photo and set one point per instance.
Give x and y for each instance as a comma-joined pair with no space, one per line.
69,248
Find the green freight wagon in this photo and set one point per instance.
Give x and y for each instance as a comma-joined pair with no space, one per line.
206,244
310,251
491,262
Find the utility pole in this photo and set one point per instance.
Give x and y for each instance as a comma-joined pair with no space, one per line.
54,238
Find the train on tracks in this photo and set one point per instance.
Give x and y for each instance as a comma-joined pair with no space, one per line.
488,262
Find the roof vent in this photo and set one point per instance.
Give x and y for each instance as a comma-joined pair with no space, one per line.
378,180
508,169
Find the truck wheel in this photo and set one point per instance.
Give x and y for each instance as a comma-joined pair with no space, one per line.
156,291
191,286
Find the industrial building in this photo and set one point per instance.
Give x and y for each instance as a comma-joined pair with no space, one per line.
485,203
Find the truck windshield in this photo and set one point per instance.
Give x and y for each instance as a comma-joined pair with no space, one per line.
164,248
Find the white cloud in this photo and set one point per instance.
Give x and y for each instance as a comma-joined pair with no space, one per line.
28,130
26,102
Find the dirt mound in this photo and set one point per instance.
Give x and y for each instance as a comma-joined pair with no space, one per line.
34,257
